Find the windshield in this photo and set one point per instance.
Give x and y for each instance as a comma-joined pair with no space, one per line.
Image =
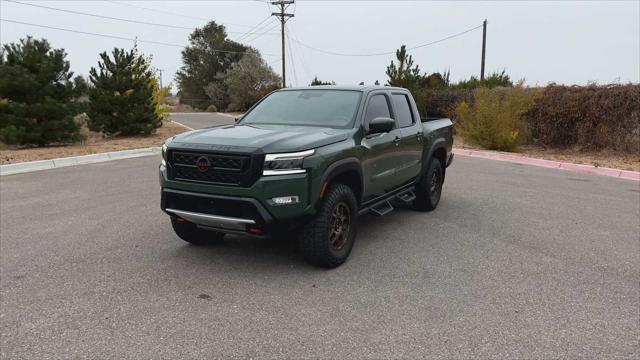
328,108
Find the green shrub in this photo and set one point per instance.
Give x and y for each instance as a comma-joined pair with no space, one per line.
495,118
36,94
122,95
212,108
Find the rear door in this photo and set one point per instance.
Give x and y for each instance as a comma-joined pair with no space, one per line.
380,158
410,148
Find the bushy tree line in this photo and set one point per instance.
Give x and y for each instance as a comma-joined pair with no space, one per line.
221,72
39,96
317,82
403,73
497,114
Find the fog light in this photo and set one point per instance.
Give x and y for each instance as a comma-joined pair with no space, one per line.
255,230
285,200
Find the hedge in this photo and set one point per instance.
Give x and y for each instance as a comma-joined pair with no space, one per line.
593,117
590,117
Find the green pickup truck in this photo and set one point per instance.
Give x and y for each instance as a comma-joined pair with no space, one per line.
306,161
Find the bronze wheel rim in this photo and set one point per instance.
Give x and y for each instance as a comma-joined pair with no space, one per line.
339,226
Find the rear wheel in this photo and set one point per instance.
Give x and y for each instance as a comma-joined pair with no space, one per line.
190,233
327,240
429,188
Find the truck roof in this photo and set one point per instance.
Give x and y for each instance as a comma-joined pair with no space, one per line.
363,88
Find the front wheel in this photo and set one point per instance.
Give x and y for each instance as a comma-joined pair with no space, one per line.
190,233
327,240
429,188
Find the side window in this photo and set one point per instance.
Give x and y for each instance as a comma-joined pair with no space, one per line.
377,107
404,114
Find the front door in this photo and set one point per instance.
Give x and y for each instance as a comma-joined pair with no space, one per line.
381,158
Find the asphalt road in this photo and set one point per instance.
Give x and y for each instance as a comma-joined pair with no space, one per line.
516,262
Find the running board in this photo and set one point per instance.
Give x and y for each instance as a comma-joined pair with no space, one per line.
407,197
382,205
382,208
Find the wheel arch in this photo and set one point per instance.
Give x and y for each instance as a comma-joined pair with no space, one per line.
346,171
439,151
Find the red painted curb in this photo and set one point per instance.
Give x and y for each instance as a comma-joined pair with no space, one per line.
520,159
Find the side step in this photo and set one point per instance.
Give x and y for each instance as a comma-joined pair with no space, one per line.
407,197
382,208
382,205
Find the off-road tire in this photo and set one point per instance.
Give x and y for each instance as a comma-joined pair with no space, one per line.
318,237
428,197
190,233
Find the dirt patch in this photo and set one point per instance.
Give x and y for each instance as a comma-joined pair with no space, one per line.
95,143
603,158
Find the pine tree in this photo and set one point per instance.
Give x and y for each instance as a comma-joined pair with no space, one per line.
35,94
122,95
404,74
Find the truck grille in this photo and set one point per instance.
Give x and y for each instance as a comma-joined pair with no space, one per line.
211,168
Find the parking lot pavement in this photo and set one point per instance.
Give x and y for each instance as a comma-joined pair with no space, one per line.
517,261
201,120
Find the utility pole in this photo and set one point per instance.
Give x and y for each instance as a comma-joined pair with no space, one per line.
484,47
160,71
283,19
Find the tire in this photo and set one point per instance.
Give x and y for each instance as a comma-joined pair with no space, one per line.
190,233
429,188
327,240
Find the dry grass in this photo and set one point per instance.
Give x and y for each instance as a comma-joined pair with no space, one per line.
604,158
95,143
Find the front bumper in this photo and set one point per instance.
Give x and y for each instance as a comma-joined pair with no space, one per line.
235,202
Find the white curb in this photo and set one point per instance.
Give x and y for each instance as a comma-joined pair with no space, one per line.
24,167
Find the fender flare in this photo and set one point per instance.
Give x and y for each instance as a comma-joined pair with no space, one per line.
341,166
440,143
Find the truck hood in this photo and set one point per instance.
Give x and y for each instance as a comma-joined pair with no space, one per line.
269,138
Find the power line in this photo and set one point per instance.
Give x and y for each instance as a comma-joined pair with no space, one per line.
170,13
254,37
254,28
99,16
293,64
301,57
388,52
117,37
121,19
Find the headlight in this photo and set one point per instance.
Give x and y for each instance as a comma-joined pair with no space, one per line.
164,154
286,163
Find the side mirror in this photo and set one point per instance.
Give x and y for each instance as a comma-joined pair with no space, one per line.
381,125
239,117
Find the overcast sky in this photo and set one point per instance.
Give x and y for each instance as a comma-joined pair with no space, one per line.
565,42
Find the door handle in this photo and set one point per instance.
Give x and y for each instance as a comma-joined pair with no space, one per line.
396,140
